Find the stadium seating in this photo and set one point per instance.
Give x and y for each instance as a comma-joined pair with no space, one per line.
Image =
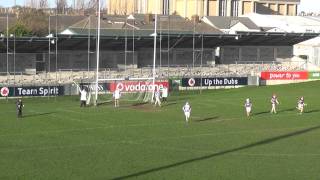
221,70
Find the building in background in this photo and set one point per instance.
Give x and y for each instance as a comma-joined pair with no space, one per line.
189,8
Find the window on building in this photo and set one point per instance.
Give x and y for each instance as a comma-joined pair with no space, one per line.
234,7
222,7
165,8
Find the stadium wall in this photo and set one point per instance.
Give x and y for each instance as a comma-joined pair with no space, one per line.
231,54
78,60
22,61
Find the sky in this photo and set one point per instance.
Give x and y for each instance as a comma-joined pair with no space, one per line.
308,6
305,5
9,3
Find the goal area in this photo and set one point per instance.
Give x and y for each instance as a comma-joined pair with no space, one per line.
138,90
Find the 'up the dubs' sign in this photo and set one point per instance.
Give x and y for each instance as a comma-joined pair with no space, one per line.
218,81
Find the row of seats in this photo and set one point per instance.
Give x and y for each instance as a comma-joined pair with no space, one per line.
65,77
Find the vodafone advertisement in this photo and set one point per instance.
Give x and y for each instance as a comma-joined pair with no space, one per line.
285,75
136,86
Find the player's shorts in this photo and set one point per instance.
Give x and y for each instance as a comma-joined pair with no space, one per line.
187,114
300,106
248,109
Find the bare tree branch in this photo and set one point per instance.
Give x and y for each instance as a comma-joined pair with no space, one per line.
43,4
80,4
61,5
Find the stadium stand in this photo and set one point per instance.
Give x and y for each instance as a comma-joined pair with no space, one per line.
65,76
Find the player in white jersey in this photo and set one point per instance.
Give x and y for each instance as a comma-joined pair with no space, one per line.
116,96
83,97
164,94
274,102
157,97
301,105
187,111
248,106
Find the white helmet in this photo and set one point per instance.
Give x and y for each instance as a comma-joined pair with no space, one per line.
248,100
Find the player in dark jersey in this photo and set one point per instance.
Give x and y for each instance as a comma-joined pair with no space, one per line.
19,106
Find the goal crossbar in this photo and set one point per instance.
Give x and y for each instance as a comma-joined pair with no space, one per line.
125,79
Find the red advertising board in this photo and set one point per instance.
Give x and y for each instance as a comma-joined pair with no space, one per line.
284,75
137,86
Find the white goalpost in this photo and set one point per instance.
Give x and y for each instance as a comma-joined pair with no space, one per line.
98,53
131,89
146,92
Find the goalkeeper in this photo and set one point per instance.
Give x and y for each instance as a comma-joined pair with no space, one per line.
116,96
83,97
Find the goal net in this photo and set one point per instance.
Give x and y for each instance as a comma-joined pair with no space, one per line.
139,90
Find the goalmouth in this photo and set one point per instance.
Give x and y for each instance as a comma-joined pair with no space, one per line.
135,89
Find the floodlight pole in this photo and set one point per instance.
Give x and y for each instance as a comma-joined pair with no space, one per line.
98,53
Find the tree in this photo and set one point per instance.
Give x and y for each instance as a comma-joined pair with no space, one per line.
43,4
31,3
35,20
61,6
91,4
80,4
19,30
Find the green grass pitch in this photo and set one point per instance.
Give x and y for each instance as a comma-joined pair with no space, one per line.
57,139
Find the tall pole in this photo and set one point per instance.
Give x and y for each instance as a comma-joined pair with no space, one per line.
89,38
160,46
56,47
201,62
14,58
168,45
154,52
49,45
98,53
125,46
193,44
7,43
133,47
